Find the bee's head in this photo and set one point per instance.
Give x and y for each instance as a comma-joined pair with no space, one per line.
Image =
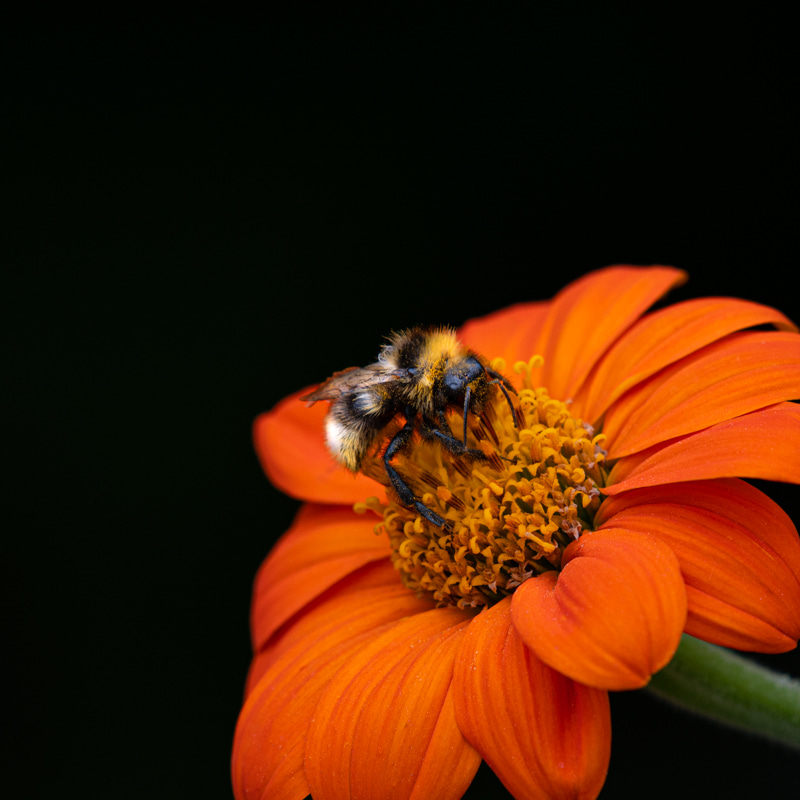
465,373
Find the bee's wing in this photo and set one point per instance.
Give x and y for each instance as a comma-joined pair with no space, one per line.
353,378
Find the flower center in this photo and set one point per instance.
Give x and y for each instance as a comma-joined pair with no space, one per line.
508,516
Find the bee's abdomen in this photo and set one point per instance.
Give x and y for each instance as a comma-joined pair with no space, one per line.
353,424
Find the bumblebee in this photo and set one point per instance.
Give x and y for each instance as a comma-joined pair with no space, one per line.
420,375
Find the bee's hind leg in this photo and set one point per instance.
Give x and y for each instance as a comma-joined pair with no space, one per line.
404,492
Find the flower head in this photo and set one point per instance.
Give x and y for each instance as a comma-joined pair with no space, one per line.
601,515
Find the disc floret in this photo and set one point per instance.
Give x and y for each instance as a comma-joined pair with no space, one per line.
509,516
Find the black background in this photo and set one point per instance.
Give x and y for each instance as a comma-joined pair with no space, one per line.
199,219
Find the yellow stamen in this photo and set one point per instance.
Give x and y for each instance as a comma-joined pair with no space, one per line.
508,516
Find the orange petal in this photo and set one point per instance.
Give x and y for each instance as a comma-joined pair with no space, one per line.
545,736
735,376
376,728
270,740
375,576
612,617
666,336
588,316
739,555
449,754
763,444
290,443
324,544
763,516
510,334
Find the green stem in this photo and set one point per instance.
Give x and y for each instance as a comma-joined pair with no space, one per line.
716,683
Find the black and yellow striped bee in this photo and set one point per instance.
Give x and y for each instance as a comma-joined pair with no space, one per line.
420,375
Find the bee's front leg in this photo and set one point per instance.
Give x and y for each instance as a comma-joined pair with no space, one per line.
404,492
441,433
505,386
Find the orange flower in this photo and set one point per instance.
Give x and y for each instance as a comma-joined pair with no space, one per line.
614,520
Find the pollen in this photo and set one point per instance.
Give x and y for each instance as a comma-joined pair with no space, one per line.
508,516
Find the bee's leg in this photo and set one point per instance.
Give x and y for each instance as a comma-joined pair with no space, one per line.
500,378
504,385
407,498
441,433
429,515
